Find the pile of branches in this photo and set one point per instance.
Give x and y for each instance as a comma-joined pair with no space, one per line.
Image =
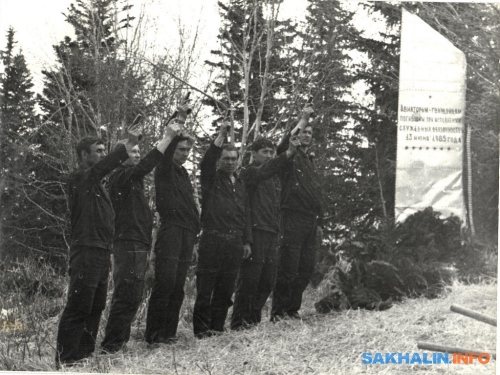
417,258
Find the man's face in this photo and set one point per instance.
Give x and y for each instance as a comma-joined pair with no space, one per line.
182,152
228,161
263,155
134,156
305,136
97,152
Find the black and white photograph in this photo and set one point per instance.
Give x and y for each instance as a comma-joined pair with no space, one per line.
249,186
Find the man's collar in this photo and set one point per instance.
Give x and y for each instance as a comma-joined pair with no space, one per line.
228,175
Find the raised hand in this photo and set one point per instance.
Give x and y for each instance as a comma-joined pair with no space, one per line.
134,132
133,136
183,111
173,129
308,110
224,129
304,119
191,137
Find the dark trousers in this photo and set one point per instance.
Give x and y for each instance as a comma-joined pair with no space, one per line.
255,280
218,263
77,333
174,251
296,258
129,270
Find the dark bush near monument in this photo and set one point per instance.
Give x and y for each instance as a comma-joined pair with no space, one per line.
416,258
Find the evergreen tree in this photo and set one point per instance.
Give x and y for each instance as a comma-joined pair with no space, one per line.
17,125
91,92
251,63
314,62
344,149
95,89
377,121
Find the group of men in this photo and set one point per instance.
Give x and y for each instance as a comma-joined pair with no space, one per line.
255,238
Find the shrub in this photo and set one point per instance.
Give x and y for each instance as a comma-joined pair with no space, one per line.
32,298
415,258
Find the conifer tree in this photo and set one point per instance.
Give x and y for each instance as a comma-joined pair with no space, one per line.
95,89
251,63
91,92
17,125
342,150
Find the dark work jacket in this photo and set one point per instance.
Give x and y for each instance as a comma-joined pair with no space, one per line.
263,192
174,193
224,205
300,186
133,220
92,215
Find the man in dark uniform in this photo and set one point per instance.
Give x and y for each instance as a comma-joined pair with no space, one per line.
92,232
257,273
175,241
133,227
301,224
226,236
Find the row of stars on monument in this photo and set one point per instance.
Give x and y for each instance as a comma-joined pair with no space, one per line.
428,148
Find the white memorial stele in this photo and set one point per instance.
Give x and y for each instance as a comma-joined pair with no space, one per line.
431,109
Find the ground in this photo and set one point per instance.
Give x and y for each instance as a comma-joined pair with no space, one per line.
319,344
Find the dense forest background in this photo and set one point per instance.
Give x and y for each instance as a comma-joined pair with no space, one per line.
265,70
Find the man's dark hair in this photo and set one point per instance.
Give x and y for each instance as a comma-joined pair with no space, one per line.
84,145
229,147
309,125
261,143
184,138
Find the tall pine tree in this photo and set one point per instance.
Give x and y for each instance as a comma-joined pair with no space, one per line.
17,126
342,150
251,64
95,89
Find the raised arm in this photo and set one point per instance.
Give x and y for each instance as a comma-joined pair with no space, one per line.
208,165
304,119
253,174
171,132
224,129
106,165
175,128
103,167
283,145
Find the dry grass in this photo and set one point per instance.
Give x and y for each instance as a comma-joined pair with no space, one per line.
321,344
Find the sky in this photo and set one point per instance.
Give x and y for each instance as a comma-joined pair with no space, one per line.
40,24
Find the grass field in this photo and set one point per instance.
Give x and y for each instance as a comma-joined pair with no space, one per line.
318,344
